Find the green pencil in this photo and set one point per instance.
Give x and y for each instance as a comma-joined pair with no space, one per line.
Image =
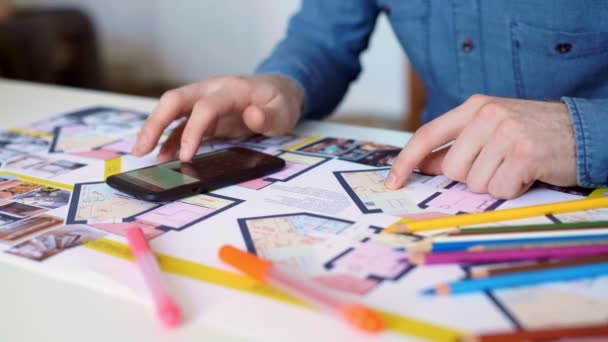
530,228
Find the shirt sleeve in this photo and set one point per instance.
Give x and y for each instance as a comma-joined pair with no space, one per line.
590,121
321,49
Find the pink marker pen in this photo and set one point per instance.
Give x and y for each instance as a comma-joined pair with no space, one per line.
166,308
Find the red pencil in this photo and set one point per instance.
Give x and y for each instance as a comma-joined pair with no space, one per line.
515,254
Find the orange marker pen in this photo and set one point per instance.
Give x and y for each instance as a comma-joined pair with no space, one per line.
302,288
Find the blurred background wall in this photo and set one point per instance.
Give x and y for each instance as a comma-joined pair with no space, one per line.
149,45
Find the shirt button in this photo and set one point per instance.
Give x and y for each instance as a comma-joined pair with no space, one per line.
563,47
467,45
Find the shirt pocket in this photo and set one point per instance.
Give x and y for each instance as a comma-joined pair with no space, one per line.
550,64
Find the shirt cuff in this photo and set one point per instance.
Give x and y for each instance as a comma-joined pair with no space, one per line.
590,123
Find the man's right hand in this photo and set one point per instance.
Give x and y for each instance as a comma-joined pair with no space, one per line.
233,106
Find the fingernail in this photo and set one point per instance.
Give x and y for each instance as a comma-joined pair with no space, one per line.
391,181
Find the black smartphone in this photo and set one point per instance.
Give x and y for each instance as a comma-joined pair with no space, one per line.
174,180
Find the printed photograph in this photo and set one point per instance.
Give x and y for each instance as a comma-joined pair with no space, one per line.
43,167
355,155
21,209
16,187
330,146
6,219
21,229
47,197
56,241
7,155
380,158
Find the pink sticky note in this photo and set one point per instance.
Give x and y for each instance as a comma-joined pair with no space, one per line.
255,184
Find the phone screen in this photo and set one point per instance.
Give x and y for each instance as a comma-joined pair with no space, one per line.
208,167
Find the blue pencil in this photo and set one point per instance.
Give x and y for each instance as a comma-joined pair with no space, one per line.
451,246
519,279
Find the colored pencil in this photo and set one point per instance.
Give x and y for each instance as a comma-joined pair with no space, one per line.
545,244
519,279
504,255
497,215
529,228
429,245
492,271
548,334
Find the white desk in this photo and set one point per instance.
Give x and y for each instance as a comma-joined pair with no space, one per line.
35,308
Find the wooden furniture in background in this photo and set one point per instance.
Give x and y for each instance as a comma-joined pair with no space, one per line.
416,101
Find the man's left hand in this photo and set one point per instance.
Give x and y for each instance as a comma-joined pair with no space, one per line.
500,146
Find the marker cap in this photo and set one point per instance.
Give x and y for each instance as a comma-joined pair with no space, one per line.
245,262
364,318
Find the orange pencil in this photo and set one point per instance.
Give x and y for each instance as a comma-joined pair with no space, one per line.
302,288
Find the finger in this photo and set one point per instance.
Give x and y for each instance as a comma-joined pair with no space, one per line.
510,180
458,162
172,105
210,133
488,161
204,117
431,164
232,126
430,137
169,149
267,120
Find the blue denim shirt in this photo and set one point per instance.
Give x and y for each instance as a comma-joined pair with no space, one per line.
531,49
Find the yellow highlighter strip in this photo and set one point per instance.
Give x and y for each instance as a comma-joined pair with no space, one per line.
32,133
39,180
112,167
302,143
396,323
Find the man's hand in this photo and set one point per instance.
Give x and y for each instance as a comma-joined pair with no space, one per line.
232,106
501,146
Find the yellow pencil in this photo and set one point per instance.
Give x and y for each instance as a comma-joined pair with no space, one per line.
497,215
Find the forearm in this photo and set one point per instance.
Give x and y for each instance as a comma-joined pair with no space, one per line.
590,122
321,49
